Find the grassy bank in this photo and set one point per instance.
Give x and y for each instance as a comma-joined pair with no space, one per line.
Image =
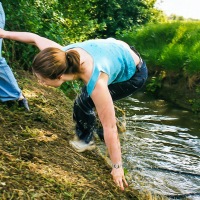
172,53
36,161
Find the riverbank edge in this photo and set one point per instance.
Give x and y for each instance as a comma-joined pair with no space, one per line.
177,91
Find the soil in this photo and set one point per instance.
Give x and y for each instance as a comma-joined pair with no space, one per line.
36,161
178,89
180,93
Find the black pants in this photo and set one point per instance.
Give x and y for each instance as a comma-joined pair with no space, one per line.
84,114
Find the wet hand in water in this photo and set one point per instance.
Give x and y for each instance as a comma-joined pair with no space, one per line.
118,177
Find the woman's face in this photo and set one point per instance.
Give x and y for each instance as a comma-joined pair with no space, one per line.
49,82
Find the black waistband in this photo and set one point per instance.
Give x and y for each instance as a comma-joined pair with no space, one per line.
139,65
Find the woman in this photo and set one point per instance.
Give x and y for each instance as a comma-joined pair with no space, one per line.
110,70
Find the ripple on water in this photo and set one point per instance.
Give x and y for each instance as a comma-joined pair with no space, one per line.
161,148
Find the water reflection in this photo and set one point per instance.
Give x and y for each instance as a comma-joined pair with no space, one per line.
161,147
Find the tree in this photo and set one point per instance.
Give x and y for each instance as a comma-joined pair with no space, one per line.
118,15
66,21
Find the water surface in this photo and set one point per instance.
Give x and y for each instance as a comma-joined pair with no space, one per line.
161,147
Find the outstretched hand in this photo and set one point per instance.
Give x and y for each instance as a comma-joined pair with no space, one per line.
118,177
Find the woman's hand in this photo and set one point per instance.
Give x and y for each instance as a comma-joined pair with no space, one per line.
118,177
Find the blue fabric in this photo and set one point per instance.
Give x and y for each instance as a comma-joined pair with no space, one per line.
110,57
2,24
84,115
9,89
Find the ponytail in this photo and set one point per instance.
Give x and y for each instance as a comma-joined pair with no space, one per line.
72,62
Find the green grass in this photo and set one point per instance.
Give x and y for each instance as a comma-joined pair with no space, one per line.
171,46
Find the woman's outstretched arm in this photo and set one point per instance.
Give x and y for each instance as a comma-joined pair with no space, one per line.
29,38
105,109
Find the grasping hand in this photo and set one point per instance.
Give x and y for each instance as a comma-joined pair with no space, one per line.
118,177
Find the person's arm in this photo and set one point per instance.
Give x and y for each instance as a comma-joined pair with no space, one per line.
29,38
105,109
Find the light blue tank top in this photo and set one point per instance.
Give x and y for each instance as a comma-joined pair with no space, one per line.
110,57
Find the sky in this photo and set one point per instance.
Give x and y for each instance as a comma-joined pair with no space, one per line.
185,8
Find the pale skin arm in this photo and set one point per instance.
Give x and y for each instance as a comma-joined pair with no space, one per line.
29,38
105,109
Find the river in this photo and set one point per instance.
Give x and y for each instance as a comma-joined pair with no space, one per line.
161,147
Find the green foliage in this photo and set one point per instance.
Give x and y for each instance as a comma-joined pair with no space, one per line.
173,57
67,21
156,82
47,18
118,15
196,102
171,46
50,18
71,89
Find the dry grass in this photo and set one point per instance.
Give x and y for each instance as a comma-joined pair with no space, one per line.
36,161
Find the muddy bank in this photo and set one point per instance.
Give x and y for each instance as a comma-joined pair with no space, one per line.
180,91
